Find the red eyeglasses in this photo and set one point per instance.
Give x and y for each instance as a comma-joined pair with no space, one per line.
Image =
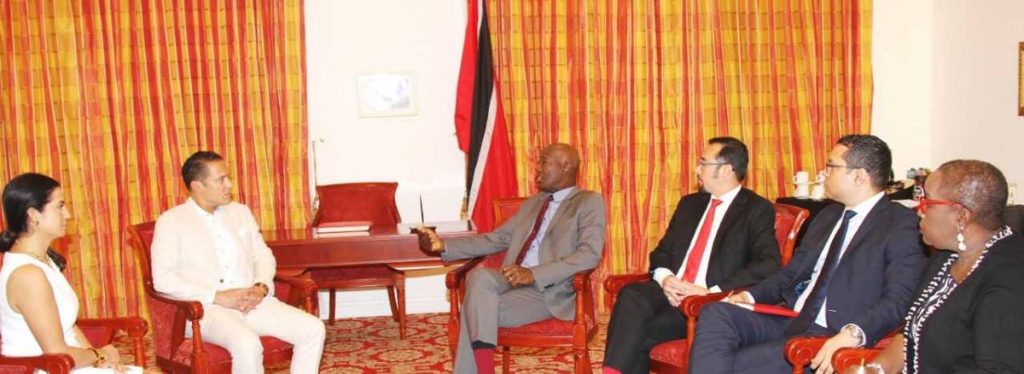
924,203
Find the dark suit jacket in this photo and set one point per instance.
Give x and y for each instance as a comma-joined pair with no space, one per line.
872,285
744,250
980,326
573,242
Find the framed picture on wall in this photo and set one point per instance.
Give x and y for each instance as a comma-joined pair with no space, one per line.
387,94
1020,79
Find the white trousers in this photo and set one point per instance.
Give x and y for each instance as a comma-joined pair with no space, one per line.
240,334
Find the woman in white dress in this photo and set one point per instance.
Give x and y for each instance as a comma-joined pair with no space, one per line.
38,308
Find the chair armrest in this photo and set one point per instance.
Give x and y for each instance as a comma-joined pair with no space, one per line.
850,357
101,332
692,305
192,310
584,296
189,310
454,278
60,363
800,350
614,283
302,291
581,281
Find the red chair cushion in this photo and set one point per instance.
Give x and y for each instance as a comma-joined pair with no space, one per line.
218,355
672,352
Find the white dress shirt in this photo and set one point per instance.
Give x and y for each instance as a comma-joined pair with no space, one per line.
716,221
862,210
532,257
229,255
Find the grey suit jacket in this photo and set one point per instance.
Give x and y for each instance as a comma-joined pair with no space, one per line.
573,242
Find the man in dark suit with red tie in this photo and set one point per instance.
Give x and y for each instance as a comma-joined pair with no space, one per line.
719,239
554,234
851,277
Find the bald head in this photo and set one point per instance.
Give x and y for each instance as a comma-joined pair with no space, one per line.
977,185
566,154
557,168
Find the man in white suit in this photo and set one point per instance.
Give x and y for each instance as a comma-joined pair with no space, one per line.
209,249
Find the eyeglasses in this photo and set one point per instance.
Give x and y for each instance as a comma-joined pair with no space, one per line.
701,163
829,166
924,203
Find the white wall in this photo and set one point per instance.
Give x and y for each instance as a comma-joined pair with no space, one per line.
946,82
976,84
345,38
902,67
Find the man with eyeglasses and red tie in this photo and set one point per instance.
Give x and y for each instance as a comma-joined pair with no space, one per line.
720,238
851,277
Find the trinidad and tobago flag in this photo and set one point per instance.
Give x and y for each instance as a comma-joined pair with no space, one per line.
480,124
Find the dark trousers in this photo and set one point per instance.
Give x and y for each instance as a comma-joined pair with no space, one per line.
730,339
641,318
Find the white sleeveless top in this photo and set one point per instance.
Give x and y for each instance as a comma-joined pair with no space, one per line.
18,340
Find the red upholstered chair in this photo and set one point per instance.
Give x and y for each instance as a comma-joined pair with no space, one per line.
374,202
801,350
788,221
99,331
178,354
551,332
671,356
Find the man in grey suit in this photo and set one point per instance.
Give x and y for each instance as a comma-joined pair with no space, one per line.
555,233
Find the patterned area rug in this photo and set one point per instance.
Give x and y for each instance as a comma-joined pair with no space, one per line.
371,345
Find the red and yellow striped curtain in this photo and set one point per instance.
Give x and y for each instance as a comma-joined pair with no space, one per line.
640,85
110,97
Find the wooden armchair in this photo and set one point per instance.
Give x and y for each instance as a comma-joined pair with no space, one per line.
100,332
671,356
801,350
177,353
374,202
551,332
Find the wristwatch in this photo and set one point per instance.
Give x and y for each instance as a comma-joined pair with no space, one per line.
266,290
856,333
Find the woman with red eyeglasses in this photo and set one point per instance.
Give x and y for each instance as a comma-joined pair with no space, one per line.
968,313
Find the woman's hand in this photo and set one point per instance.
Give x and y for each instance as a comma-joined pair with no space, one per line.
111,358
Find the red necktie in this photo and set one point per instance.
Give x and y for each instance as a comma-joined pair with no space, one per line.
693,263
533,233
